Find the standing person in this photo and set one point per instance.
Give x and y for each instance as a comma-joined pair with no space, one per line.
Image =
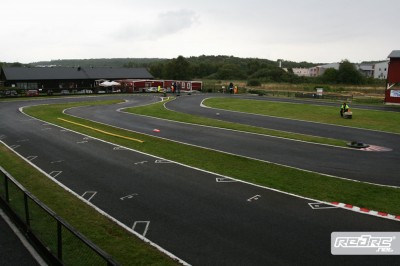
344,108
178,88
231,88
173,87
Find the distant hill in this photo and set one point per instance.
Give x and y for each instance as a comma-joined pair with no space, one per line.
100,62
147,62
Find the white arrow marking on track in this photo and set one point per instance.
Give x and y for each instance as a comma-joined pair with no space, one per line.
129,196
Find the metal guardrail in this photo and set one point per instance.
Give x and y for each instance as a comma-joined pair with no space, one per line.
57,241
324,96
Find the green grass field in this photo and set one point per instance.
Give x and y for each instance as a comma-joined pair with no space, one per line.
125,248
376,120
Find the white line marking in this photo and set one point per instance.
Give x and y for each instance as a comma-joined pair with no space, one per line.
54,174
14,146
59,161
320,206
145,229
23,140
89,192
256,197
224,180
162,161
31,158
2,137
142,162
82,142
47,128
119,149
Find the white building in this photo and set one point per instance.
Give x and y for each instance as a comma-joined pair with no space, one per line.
366,69
381,70
376,70
317,70
302,72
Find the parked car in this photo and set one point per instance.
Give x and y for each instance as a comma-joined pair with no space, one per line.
32,93
85,91
65,92
151,89
11,93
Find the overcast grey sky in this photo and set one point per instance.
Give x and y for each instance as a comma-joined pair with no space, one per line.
308,30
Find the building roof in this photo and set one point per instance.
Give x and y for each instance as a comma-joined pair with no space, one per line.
366,67
331,65
394,54
74,73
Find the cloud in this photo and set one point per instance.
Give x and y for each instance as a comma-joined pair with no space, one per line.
153,28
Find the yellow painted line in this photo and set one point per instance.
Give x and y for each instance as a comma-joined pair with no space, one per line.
99,130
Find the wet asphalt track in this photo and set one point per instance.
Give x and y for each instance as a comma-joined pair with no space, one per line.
187,212
373,167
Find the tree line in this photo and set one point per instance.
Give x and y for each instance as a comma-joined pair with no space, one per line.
255,71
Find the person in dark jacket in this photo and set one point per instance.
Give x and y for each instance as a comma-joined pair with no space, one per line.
231,88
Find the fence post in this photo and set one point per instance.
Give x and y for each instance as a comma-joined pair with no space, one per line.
6,188
27,219
59,240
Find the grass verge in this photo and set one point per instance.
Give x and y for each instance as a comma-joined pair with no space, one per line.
368,119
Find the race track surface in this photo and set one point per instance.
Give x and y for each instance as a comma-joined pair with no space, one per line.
200,217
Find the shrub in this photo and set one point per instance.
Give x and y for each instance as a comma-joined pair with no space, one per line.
253,82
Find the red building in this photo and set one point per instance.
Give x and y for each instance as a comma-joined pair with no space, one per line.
132,85
185,85
137,85
392,93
